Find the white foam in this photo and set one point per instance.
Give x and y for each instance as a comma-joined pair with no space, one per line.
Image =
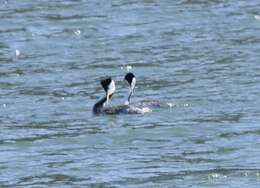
213,176
146,110
140,110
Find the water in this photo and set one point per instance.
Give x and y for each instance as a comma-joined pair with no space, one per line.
201,55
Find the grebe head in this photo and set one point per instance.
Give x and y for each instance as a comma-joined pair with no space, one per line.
109,86
131,80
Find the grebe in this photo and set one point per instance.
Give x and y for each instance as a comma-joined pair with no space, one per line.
131,80
109,86
99,108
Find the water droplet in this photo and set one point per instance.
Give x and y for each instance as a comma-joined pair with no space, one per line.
62,98
128,67
4,105
17,53
5,3
77,32
257,17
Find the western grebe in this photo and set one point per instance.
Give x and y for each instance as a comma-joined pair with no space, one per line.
109,86
99,108
131,80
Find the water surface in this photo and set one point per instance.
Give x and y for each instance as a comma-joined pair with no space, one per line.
200,55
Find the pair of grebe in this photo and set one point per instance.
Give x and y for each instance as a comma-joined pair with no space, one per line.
128,108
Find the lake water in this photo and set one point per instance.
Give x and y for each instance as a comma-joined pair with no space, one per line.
201,55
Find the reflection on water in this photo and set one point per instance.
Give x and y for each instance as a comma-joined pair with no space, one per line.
199,55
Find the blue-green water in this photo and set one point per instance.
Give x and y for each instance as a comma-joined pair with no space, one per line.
202,55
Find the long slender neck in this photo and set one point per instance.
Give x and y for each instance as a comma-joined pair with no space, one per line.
98,107
129,96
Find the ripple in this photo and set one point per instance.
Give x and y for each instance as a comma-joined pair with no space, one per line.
58,17
226,117
13,30
162,177
50,179
236,134
203,2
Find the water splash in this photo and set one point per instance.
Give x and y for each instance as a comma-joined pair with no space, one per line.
17,53
127,68
257,17
77,32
